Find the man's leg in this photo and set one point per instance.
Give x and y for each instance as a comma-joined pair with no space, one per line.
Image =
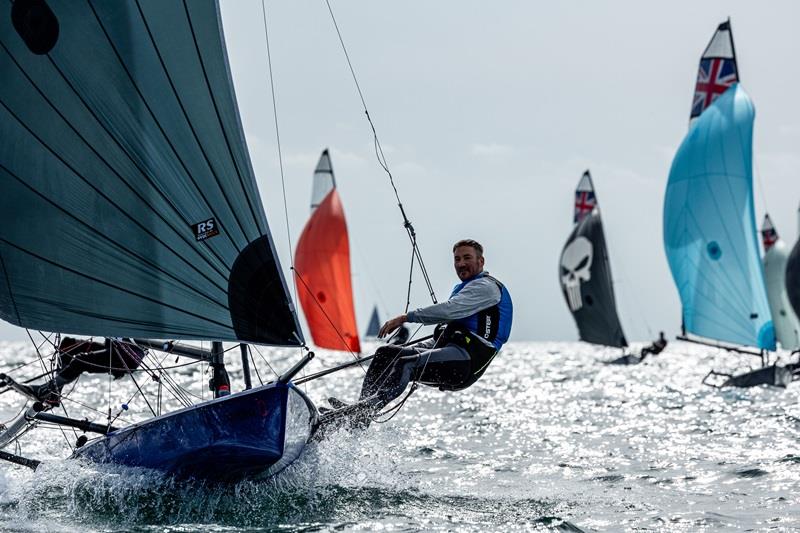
448,366
381,368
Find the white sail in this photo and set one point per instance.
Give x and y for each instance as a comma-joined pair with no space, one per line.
776,255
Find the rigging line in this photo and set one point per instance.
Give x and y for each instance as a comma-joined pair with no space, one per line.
66,413
760,185
278,143
23,365
178,392
410,279
387,371
139,392
133,378
328,318
110,356
41,358
255,366
46,339
395,409
618,283
382,158
261,355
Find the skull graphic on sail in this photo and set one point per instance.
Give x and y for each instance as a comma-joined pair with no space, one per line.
576,264
584,272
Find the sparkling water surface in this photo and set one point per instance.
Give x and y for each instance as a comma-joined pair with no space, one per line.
549,439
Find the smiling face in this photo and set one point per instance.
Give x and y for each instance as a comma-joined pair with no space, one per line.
468,262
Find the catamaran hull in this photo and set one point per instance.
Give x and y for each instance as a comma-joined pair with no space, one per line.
252,433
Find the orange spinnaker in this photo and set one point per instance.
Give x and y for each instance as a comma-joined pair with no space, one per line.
322,264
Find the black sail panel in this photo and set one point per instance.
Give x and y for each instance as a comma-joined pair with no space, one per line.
585,276
793,278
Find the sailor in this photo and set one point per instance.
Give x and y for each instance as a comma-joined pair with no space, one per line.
474,323
75,356
656,348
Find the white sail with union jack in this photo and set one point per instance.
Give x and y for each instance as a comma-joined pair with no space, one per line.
717,70
769,235
585,199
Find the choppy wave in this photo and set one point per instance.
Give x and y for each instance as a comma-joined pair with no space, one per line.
550,438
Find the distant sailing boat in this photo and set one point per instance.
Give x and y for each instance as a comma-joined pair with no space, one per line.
322,265
129,208
585,273
374,325
793,280
709,221
776,256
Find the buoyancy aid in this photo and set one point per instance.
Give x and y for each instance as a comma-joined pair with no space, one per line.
492,324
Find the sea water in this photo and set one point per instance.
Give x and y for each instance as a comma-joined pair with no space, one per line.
551,438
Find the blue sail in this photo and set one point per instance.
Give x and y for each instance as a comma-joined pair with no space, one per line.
129,205
710,231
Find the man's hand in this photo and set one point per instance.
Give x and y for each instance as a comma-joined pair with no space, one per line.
391,325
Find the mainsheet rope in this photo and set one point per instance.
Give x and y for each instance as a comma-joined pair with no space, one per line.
383,163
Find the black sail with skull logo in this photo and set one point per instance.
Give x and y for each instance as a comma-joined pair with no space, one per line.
585,273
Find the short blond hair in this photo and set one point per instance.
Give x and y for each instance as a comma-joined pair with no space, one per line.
469,242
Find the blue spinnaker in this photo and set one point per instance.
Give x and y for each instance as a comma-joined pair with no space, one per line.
709,227
129,206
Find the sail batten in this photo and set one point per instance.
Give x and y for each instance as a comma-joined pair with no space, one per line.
88,145
130,183
90,230
109,285
142,206
159,51
188,122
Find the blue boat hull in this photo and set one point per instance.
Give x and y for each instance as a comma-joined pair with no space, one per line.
226,439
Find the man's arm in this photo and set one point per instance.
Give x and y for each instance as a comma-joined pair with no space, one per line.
476,296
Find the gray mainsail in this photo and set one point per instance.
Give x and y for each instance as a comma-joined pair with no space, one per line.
129,205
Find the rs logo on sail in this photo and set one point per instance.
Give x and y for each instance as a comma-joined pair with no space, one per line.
206,229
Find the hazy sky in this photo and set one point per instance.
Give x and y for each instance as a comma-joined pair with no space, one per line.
489,112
